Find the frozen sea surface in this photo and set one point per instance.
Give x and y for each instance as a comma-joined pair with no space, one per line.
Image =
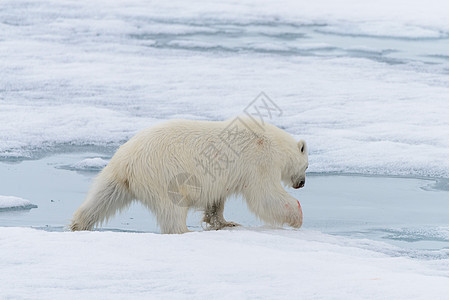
366,85
241,264
8,203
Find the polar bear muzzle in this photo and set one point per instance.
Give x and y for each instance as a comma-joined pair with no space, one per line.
299,184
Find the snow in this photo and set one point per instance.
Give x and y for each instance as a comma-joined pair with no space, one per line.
89,164
10,202
239,264
94,74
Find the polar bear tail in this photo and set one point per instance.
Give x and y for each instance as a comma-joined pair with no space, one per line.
106,197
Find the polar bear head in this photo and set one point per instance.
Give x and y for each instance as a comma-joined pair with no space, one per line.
294,171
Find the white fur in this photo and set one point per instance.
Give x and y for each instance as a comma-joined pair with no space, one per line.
142,169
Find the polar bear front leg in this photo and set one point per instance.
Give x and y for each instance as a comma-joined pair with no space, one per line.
213,216
271,203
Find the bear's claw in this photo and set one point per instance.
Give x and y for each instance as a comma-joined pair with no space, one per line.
217,225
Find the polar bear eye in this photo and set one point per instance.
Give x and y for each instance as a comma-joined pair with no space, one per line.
302,149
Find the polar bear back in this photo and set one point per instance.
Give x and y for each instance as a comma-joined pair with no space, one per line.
223,157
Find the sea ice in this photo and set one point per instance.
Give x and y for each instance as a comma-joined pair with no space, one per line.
13,203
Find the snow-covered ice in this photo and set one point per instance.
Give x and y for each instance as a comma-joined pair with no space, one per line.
13,203
366,84
89,164
238,264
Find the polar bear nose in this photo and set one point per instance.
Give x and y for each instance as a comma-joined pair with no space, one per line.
300,184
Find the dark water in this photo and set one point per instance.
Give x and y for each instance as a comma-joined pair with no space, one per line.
290,39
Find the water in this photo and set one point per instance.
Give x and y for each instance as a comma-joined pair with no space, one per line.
406,212
315,40
409,213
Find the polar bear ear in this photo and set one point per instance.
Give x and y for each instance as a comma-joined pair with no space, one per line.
302,146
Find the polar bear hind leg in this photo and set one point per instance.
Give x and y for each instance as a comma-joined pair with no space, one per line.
213,216
170,217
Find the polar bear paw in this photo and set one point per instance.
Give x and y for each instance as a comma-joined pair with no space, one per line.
217,223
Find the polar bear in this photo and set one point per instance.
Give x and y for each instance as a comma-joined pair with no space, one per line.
182,164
